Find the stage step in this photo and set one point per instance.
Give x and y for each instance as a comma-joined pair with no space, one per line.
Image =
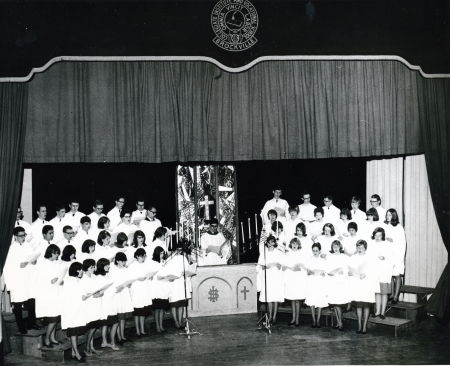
388,321
326,312
29,344
420,292
407,310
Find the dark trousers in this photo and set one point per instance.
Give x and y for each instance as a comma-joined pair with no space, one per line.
31,319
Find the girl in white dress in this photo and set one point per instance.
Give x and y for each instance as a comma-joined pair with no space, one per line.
138,242
290,224
160,290
87,251
109,317
325,240
120,275
48,293
396,234
316,295
141,293
342,224
350,241
370,225
363,283
338,290
272,289
384,260
73,313
295,278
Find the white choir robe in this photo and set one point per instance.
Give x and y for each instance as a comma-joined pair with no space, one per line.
307,212
20,281
273,277
27,228
367,230
212,259
47,294
341,228
295,281
175,267
73,219
114,218
94,216
338,292
349,244
92,305
363,289
58,225
41,248
305,243
81,237
315,228
73,311
326,243
141,291
316,288
381,213
127,229
358,216
123,298
331,214
36,229
138,215
280,205
148,228
289,227
160,289
156,243
108,305
386,266
63,243
397,234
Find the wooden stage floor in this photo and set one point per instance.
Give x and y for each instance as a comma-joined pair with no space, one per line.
234,340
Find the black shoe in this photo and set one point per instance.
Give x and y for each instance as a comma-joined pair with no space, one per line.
50,345
336,327
297,324
274,322
34,326
23,331
382,317
393,302
120,343
313,326
358,332
364,332
318,326
291,323
341,329
57,343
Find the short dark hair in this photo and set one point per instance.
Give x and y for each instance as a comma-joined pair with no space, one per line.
317,245
67,227
352,225
378,230
318,209
59,207
149,207
136,234
377,197
394,219
121,239
51,249
159,232
331,226
302,227
295,240
329,197
277,225
67,252
85,219
346,211
46,229
118,197
86,245
102,221
74,268
101,264
88,263
120,257
140,252
356,199
361,242
272,212
294,208
97,203
157,254
269,239
17,230
337,242
213,221
373,212
124,212
101,236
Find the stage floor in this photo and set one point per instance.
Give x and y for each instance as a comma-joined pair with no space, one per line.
234,340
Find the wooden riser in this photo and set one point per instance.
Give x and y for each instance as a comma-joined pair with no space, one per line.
397,324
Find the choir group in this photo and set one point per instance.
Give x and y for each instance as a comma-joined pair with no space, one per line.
100,271
325,256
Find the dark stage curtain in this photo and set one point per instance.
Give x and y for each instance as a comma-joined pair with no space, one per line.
194,111
434,107
13,117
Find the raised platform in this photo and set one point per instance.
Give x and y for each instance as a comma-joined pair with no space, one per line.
420,292
407,310
396,323
222,290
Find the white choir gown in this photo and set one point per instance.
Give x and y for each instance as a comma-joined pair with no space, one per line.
275,278
73,311
47,294
295,281
122,299
338,287
397,234
141,291
363,289
385,266
92,305
316,293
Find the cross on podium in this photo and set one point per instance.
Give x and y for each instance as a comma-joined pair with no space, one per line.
206,203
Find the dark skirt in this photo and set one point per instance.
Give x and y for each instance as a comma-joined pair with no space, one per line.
162,304
111,320
362,304
179,304
145,311
48,320
124,316
94,324
76,331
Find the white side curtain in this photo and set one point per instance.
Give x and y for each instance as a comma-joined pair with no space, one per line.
426,255
385,178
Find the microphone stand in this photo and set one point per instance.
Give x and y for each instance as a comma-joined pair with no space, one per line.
264,321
